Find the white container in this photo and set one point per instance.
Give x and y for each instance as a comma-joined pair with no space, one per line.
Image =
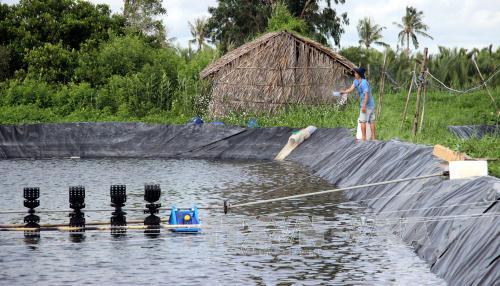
466,169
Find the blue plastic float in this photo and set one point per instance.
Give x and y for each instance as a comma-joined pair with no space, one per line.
188,217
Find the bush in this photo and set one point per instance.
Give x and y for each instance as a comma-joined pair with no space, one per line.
30,113
51,63
28,92
120,56
74,97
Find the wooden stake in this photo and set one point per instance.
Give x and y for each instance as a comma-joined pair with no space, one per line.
419,91
408,96
382,83
423,103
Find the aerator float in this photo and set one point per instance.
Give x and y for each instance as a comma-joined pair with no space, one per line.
186,217
181,220
185,220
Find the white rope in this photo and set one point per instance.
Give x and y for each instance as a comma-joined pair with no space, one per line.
395,83
438,207
416,219
467,90
486,203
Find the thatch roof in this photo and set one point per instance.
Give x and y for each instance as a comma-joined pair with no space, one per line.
248,47
274,71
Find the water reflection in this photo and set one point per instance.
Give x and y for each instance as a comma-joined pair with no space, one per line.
77,237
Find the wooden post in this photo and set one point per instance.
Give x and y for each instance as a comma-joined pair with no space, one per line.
419,91
423,103
408,96
382,82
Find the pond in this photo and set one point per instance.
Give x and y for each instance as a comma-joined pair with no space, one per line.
307,241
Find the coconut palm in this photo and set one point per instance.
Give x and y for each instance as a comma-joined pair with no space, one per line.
411,27
198,31
370,33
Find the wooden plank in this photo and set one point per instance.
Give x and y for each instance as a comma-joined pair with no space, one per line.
447,154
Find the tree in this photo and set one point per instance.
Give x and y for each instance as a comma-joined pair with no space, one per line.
412,26
321,18
198,31
4,63
236,21
51,63
98,65
140,16
282,19
370,33
69,23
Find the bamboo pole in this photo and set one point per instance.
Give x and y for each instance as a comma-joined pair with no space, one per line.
423,104
419,92
102,210
408,96
382,83
93,223
101,227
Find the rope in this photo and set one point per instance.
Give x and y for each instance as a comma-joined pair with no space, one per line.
335,190
133,236
395,83
387,221
101,227
416,219
467,90
438,207
487,203
98,210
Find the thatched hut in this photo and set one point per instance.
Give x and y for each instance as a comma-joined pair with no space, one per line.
275,70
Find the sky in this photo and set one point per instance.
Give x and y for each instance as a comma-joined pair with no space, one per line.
453,23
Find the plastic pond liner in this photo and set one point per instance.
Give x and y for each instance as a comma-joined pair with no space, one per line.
453,225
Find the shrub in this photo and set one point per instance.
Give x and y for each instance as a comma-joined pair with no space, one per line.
28,92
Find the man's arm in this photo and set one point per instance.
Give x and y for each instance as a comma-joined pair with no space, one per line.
348,90
365,102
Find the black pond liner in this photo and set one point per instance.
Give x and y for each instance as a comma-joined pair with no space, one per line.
433,215
475,131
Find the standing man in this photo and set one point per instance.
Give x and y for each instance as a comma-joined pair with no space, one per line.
367,112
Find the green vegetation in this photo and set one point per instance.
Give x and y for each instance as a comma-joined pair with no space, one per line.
370,33
412,25
234,22
71,61
442,109
281,19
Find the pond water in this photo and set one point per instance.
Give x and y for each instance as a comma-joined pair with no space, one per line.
308,241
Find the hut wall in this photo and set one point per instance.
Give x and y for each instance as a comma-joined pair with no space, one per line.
279,72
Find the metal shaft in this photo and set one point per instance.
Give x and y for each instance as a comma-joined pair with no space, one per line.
336,190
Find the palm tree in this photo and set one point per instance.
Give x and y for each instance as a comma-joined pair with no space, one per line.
370,33
198,31
411,27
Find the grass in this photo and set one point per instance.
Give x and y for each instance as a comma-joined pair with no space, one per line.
442,109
